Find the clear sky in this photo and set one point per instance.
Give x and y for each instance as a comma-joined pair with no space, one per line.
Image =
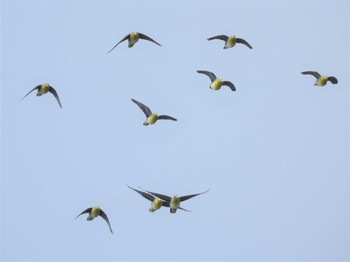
274,154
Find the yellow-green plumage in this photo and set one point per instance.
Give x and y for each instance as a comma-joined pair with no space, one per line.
216,84
230,42
151,119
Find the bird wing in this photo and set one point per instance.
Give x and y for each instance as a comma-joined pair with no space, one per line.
184,209
53,91
229,84
184,198
315,74
162,197
104,216
242,41
145,37
221,37
207,73
166,117
37,87
88,210
125,37
144,194
144,108
332,79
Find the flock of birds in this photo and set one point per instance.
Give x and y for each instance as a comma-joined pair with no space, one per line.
159,200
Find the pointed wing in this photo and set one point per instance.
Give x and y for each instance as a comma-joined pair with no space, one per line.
166,117
162,197
125,37
229,84
315,74
144,194
53,91
184,209
144,108
37,87
184,198
88,210
221,37
332,79
242,41
207,73
145,37
104,216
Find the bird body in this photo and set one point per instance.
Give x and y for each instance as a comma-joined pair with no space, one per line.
230,41
151,118
43,89
133,39
95,212
217,84
174,203
321,80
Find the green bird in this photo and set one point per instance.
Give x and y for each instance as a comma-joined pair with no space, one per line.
217,82
230,41
43,89
151,117
320,79
156,202
174,201
133,38
95,212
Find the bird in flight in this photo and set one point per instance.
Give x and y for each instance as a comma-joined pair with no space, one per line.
95,212
230,41
133,38
174,201
320,79
151,117
217,82
43,89
156,202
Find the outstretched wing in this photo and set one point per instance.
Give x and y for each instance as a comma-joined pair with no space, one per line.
144,194
207,73
37,87
315,74
229,84
145,37
144,108
166,117
162,197
184,198
125,37
221,37
242,41
332,79
104,216
88,210
53,91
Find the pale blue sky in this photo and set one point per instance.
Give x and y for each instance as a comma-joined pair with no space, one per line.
275,153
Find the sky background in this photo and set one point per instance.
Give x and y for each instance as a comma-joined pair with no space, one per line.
274,154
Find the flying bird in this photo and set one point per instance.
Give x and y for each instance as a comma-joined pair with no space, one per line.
174,201
156,202
43,89
320,79
95,212
217,82
133,38
230,41
151,117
